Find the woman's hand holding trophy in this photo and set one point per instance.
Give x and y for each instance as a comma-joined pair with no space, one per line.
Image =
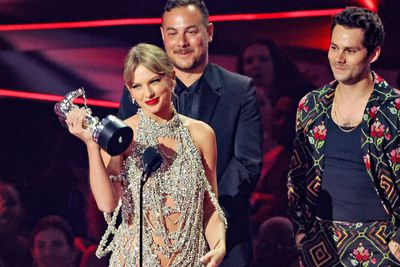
112,135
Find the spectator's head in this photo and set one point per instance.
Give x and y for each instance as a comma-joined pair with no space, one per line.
260,60
53,243
186,33
270,66
365,20
11,212
275,243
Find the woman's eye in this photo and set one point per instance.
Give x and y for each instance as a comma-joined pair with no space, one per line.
155,80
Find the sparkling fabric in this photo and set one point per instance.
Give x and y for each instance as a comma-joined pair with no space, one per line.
173,202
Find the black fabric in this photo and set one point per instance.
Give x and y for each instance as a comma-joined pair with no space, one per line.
187,99
348,193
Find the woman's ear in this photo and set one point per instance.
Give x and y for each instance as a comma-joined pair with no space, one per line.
130,93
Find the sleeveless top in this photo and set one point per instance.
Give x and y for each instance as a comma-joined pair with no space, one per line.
173,196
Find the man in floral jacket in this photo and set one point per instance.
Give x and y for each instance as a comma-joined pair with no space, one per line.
344,178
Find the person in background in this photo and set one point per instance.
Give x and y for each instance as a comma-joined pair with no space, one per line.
53,243
275,245
96,226
224,100
344,177
14,247
277,95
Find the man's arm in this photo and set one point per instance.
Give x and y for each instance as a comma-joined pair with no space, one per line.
298,208
243,170
126,108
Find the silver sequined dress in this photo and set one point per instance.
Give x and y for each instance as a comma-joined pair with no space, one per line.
173,200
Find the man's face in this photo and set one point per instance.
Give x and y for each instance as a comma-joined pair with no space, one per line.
186,38
348,57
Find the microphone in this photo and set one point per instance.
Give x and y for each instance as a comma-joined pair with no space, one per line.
151,161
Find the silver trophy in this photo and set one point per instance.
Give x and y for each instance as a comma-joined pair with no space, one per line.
113,135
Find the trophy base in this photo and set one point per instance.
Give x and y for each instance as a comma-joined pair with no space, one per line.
114,136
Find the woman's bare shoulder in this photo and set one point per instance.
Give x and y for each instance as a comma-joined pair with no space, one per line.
199,130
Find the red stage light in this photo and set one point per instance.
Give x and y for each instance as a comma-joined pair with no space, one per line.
55,98
370,4
149,21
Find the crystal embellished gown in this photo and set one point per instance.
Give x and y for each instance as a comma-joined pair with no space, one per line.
173,203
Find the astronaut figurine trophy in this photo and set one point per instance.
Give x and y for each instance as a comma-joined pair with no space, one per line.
110,133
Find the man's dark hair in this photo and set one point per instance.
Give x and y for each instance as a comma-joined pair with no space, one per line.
199,4
362,18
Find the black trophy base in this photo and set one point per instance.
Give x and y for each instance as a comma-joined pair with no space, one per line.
116,136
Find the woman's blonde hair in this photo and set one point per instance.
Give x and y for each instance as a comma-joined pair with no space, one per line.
151,57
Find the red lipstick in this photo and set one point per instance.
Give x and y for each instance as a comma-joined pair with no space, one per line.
152,102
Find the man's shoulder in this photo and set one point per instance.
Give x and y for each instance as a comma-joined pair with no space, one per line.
318,93
228,77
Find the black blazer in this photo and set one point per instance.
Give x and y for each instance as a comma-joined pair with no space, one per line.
228,104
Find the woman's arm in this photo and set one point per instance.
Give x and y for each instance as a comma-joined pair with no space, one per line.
204,138
103,189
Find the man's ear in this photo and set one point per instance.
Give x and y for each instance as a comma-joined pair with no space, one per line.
210,32
375,54
162,32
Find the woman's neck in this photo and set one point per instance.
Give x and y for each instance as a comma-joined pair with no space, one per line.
161,117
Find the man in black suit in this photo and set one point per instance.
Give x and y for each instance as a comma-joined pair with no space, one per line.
224,100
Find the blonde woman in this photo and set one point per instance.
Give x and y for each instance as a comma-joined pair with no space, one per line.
183,223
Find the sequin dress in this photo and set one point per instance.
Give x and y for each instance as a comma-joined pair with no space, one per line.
173,203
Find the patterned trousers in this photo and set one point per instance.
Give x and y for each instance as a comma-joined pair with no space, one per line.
347,244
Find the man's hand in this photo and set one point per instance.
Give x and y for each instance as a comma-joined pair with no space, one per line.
214,257
395,249
298,238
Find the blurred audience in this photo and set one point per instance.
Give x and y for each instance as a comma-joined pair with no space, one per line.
14,248
275,245
279,87
276,76
53,243
62,188
96,226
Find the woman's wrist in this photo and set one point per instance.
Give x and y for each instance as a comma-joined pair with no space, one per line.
92,146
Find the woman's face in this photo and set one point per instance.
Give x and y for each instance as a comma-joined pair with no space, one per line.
257,64
51,249
152,92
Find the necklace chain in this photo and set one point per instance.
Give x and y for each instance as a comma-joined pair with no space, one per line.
166,155
336,110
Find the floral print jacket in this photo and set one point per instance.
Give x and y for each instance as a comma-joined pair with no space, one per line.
380,143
